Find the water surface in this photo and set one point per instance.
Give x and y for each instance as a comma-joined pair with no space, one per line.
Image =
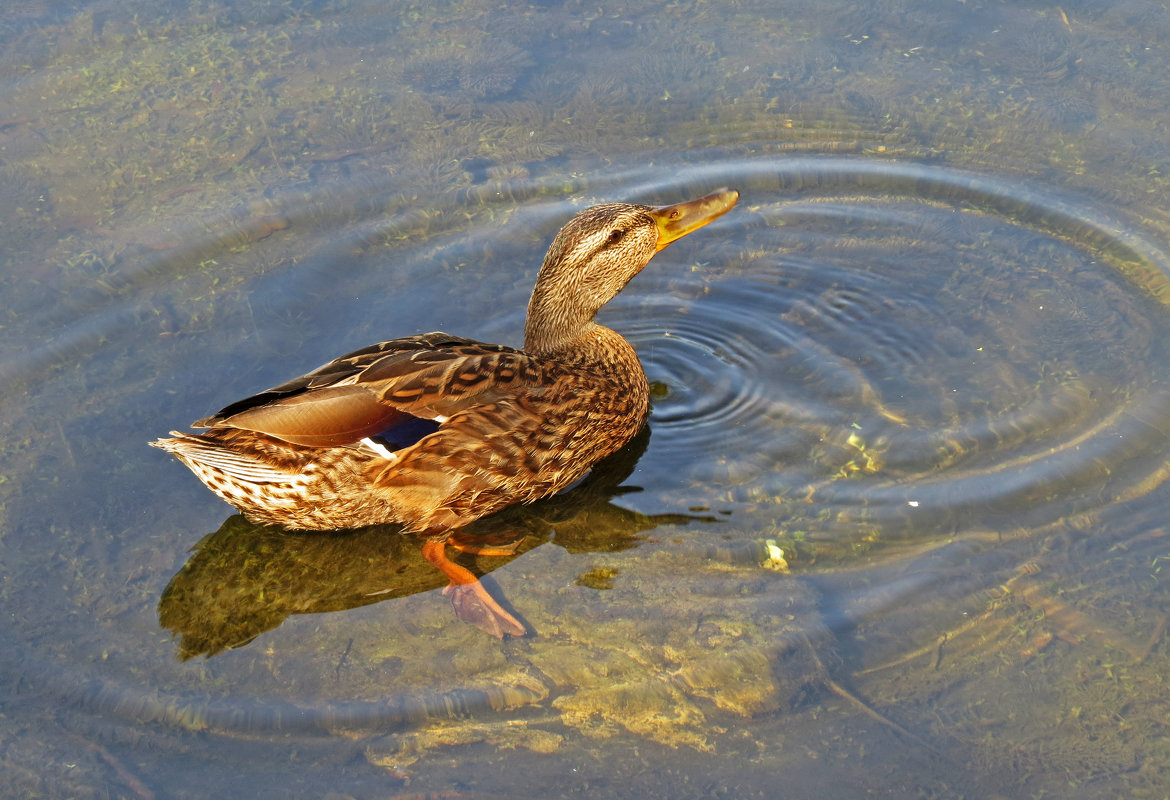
897,516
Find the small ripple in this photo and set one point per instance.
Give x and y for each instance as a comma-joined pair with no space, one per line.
709,368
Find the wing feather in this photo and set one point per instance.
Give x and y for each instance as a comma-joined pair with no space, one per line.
433,376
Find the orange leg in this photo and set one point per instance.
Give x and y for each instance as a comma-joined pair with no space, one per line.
471,601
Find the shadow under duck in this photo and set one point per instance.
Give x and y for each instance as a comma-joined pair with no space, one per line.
435,431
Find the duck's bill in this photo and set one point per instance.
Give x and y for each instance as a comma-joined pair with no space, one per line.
675,222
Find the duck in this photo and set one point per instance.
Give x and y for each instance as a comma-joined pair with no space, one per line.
433,431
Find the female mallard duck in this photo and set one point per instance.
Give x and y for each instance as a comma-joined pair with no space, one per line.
435,431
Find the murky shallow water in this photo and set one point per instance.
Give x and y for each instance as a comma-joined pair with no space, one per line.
923,357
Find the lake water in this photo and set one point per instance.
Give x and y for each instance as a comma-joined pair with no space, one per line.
897,527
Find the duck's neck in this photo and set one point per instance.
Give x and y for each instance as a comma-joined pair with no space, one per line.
583,343
554,326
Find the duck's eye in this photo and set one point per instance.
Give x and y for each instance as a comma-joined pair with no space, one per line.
615,236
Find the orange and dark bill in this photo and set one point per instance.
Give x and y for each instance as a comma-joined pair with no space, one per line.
675,222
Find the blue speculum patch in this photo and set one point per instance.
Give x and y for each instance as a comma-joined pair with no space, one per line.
404,434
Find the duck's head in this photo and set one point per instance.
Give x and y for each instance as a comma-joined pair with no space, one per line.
597,253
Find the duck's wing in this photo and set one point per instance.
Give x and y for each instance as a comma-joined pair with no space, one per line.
381,387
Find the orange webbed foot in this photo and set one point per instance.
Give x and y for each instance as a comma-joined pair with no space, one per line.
469,598
475,606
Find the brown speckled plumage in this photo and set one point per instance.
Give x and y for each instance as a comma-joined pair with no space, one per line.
512,425
516,431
